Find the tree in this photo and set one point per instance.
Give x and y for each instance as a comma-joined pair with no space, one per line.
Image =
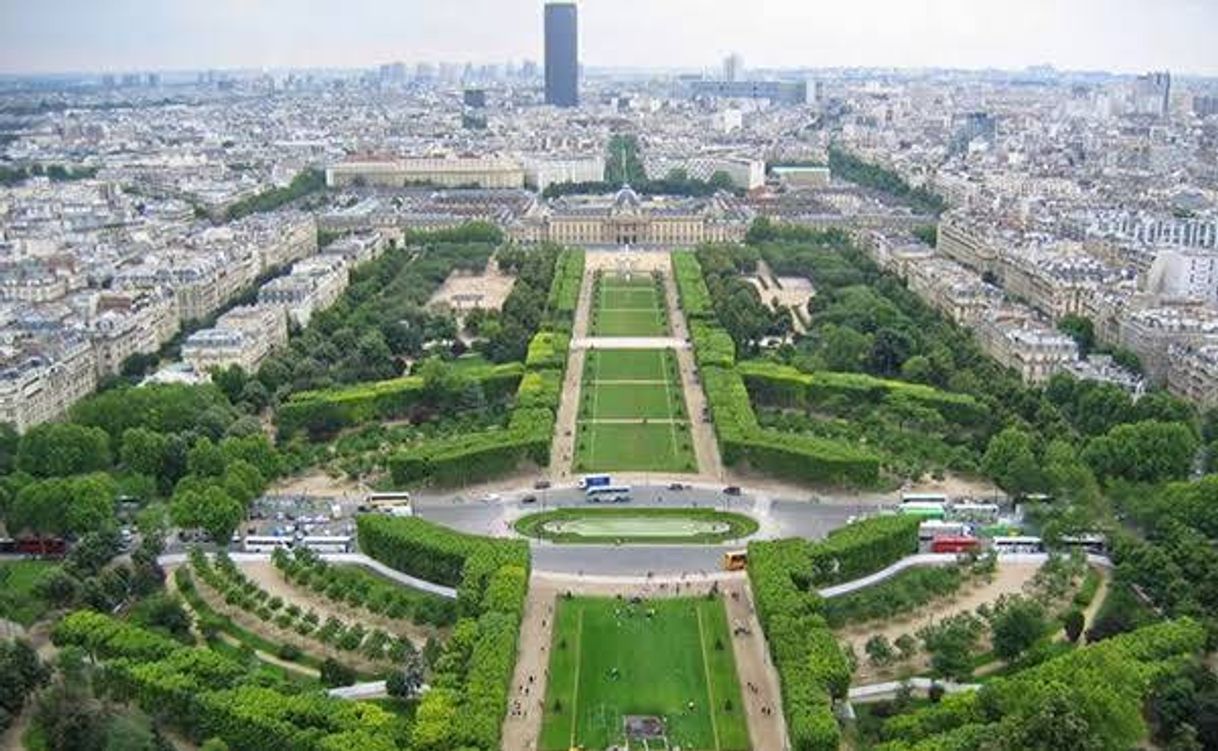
844,349
56,449
878,650
1074,623
334,673
907,646
1081,330
918,369
1147,451
205,459
1011,462
1058,721
1017,625
889,350
231,381
210,509
23,673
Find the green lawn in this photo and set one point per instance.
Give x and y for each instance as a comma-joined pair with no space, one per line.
609,400
654,447
630,365
636,525
609,658
631,307
17,599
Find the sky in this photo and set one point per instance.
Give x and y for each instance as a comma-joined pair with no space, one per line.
46,36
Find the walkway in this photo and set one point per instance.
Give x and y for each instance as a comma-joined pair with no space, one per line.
562,449
888,690
355,559
706,448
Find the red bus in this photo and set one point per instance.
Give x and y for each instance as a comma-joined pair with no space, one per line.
954,544
42,546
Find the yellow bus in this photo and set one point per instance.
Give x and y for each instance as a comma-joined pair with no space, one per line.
735,560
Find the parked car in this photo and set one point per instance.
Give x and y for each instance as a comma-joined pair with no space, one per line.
529,499
491,498
541,485
732,490
677,486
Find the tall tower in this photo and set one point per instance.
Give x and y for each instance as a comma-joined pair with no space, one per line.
562,55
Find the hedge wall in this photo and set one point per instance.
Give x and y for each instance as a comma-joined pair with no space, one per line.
564,290
796,457
859,549
396,398
784,386
691,287
712,345
436,553
548,349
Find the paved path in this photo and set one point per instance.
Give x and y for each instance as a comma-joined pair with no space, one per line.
706,448
370,690
562,449
357,559
884,691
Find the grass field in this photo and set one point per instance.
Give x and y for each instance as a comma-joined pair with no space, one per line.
628,307
17,599
610,658
636,525
632,414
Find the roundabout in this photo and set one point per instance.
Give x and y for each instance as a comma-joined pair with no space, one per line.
636,525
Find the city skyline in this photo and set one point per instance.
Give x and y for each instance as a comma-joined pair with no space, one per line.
1125,36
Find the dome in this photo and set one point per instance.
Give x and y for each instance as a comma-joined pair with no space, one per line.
626,198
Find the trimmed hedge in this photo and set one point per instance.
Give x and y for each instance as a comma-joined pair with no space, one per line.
564,289
468,458
712,345
796,457
438,554
333,409
777,385
862,548
548,349
691,287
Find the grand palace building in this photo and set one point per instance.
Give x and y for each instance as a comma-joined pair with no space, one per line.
625,218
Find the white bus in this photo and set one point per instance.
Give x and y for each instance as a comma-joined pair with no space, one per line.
608,494
932,528
1020,544
938,498
265,543
982,513
588,482
1089,542
327,543
389,502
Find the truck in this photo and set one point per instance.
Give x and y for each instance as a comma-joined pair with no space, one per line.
594,481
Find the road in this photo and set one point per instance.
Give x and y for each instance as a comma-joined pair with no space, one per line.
776,517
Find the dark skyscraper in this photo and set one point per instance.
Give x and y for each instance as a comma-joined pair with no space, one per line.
562,55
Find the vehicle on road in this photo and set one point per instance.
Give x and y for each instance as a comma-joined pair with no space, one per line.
594,481
735,560
732,490
608,494
266,543
491,498
387,502
677,486
927,509
955,544
541,485
327,543
529,499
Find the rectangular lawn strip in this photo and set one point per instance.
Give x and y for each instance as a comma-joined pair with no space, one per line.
634,446
626,365
629,299
629,323
642,664
618,401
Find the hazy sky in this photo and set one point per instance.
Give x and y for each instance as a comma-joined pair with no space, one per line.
119,35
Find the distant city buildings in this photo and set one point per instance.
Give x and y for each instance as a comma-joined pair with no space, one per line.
562,54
